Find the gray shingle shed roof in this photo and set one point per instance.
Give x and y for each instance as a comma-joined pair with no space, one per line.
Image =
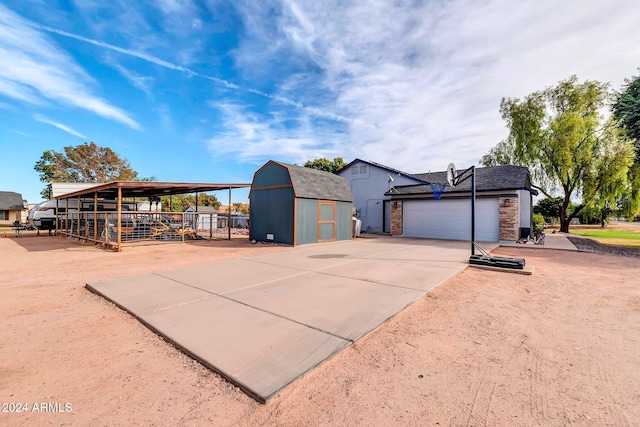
11,201
315,184
492,178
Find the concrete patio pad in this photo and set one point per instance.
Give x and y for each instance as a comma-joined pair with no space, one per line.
263,321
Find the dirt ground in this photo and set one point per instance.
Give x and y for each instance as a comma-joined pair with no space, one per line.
485,348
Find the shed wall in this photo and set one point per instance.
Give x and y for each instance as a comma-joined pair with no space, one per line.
306,221
271,175
343,220
272,213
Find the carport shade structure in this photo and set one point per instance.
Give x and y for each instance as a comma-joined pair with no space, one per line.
294,205
118,189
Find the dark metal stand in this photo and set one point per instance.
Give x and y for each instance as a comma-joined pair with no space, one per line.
483,258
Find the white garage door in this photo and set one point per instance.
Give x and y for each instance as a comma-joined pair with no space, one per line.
451,219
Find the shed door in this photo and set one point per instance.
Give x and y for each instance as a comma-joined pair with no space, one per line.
326,220
451,219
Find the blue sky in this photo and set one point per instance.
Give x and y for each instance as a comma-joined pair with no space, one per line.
208,91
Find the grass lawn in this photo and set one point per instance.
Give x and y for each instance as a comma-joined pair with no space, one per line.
611,236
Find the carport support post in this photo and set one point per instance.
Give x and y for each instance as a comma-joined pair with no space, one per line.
119,225
57,212
229,217
473,209
95,216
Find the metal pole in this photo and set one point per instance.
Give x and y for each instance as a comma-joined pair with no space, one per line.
473,209
229,217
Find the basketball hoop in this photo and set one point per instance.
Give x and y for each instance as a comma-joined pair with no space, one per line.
452,175
437,190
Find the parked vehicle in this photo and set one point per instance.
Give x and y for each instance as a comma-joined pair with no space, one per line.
43,215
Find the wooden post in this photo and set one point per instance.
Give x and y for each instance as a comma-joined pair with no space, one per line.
57,212
78,215
95,216
118,222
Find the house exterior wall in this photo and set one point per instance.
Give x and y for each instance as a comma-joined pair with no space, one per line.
368,184
509,218
11,216
526,208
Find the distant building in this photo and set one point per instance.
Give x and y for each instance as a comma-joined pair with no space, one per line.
12,207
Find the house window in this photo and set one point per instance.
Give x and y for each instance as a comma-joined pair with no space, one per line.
6,215
363,168
355,170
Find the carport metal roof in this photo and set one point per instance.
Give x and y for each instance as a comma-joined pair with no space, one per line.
149,188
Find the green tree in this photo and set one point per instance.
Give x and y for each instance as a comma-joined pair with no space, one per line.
559,134
325,164
180,202
549,208
626,109
86,162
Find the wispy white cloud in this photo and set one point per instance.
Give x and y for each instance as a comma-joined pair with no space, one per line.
419,83
34,68
190,72
144,83
250,136
43,119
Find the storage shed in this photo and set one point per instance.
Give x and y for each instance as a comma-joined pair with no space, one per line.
295,205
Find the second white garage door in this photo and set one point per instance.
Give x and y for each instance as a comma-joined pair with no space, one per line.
450,219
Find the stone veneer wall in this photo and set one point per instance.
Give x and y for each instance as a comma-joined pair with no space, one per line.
396,218
509,218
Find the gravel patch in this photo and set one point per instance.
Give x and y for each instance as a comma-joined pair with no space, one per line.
589,245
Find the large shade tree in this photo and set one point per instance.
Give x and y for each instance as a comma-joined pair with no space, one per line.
561,136
626,109
87,162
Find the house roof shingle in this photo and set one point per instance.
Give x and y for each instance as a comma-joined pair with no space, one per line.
492,178
11,201
315,184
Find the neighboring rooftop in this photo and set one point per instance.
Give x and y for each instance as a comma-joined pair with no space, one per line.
10,201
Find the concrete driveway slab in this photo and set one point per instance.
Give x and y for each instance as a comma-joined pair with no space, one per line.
258,351
147,293
261,322
340,306
226,276
420,275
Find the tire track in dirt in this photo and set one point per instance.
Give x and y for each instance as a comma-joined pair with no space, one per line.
484,391
598,375
537,395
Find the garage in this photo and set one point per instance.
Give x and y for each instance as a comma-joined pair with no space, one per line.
451,219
